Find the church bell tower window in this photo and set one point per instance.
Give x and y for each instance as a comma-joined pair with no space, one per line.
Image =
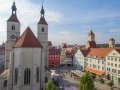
12,27
42,29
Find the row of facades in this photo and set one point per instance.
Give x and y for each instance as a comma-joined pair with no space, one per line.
103,62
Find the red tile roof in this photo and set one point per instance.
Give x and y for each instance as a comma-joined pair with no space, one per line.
118,50
64,45
85,52
13,18
92,70
27,39
69,51
91,33
42,21
92,44
99,52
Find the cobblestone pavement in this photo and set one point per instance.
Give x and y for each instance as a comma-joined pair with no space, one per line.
67,81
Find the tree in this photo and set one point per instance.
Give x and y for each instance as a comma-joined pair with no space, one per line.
86,82
50,86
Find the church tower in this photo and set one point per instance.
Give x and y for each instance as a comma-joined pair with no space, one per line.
42,34
91,40
91,36
13,32
112,43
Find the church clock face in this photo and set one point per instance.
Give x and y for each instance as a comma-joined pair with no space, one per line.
12,36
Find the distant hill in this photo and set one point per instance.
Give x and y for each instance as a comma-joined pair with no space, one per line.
106,45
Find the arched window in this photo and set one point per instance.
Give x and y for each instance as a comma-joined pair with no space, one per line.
13,36
13,27
42,29
27,76
37,74
5,83
16,75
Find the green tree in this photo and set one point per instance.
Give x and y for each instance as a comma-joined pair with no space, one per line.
50,86
86,82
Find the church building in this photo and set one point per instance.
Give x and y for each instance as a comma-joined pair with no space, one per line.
26,55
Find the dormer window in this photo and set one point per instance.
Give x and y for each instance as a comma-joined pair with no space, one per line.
42,29
12,27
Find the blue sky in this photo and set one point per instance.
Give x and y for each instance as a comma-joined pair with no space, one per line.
69,20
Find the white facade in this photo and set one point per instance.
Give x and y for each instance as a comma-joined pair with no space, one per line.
113,66
79,61
23,58
96,63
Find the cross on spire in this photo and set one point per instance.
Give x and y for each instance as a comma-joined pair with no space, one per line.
42,10
14,9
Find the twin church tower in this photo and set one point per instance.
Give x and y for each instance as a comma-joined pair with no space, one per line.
13,33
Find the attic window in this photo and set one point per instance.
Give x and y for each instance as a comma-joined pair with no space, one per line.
42,29
12,27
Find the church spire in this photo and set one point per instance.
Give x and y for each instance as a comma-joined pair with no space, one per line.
14,9
42,10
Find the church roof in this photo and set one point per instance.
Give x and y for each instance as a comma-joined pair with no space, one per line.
13,18
42,21
91,33
92,44
27,39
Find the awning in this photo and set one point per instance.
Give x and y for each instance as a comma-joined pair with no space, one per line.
94,71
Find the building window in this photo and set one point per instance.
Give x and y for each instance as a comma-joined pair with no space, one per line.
111,59
102,62
5,83
102,68
16,75
37,74
108,63
12,27
42,29
111,64
27,76
115,59
115,65
118,71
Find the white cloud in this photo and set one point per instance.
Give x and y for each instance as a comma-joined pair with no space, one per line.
28,14
68,37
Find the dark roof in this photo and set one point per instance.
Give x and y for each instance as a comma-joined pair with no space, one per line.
42,21
27,39
92,44
118,50
85,52
13,18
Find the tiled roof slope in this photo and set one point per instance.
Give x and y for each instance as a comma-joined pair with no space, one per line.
99,52
13,18
85,52
42,21
27,39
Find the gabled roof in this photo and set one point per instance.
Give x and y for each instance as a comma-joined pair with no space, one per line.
99,52
27,39
42,21
85,52
91,33
13,18
69,51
